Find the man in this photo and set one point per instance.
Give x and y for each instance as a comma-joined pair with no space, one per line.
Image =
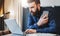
36,24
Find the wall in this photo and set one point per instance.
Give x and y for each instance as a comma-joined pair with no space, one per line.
50,2
44,3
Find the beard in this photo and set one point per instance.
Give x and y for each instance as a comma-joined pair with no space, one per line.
35,13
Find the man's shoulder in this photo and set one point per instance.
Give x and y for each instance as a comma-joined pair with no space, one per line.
29,15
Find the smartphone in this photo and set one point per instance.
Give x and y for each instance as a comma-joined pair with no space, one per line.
45,13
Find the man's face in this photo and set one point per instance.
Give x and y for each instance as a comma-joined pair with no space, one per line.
33,7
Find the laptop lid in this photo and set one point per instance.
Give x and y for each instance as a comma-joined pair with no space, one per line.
13,26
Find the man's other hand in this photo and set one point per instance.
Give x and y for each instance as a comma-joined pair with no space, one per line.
30,31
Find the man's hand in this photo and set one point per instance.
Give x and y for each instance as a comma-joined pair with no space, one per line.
30,31
42,20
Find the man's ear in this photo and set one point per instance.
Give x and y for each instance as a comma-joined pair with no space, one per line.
38,6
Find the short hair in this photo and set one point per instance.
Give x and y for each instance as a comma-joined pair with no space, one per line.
36,1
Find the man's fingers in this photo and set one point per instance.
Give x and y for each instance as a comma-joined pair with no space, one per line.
30,31
46,16
46,19
27,31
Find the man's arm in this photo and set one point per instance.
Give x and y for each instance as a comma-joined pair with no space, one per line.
31,24
49,29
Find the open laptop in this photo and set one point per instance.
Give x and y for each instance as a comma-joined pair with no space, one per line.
13,26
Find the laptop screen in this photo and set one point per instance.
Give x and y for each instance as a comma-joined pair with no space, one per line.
13,26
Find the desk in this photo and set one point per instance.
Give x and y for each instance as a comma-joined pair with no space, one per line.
12,35
36,34
41,34
6,35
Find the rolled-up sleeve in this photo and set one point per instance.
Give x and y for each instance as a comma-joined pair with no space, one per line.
31,24
49,29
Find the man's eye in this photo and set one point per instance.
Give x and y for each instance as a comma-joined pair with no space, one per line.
32,7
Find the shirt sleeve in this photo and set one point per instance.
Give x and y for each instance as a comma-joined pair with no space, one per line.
49,29
30,23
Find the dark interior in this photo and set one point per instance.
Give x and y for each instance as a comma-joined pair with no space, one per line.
2,18
57,18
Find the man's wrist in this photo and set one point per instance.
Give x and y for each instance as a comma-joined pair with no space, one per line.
34,30
38,24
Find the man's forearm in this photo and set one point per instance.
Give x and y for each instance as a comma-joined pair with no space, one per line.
34,26
51,28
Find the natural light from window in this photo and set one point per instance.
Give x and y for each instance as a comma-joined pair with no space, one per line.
24,3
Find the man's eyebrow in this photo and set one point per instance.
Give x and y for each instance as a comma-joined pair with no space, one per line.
32,7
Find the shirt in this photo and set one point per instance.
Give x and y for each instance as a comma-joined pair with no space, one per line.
46,28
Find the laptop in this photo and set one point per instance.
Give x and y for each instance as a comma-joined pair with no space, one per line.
13,26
